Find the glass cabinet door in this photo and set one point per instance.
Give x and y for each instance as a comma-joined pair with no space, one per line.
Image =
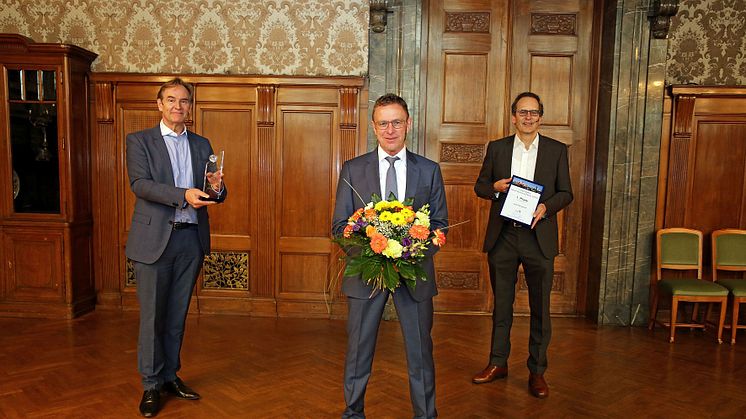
32,109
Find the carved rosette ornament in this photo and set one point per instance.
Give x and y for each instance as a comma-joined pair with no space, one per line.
660,15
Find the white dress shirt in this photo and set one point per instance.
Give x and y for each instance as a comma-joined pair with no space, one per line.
401,172
524,161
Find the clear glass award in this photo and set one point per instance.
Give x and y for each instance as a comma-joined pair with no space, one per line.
214,165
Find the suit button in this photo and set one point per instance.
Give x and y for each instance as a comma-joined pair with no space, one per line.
176,204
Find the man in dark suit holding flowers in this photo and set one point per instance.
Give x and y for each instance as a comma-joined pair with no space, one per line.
391,168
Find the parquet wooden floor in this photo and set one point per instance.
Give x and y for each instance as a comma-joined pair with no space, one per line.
292,368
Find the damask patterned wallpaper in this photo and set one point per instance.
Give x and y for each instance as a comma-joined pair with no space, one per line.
281,37
707,43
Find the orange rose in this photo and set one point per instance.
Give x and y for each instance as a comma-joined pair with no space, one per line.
370,231
419,232
370,213
378,243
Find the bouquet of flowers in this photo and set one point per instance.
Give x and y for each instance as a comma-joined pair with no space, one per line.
392,238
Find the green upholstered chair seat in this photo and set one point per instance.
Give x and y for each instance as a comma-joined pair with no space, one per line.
736,286
693,287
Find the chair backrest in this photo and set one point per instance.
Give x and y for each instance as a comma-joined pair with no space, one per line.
728,250
678,248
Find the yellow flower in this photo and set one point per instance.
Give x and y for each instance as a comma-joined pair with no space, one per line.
408,214
385,216
393,249
381,205
398,219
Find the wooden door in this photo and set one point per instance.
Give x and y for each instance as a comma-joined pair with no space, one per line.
481,54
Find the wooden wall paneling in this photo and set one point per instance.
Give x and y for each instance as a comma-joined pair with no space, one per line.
703,170
351,118
240,114
105,209
308,141
265,190
465,96
229,274
678,160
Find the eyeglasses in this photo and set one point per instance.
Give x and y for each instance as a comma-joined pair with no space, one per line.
524,112
396,123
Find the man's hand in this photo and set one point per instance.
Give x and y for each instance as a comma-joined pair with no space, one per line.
193,196
502,185
541,210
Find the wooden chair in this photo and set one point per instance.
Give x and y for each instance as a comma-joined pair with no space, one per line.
729,254
681,249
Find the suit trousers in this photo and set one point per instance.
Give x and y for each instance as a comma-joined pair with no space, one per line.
164,290
416,320
515,246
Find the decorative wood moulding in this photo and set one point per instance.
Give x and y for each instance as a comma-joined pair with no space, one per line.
130,280
348,107
461,153
684,113
105,102
660,14
458,280
265,105
226,271
553,24
477,22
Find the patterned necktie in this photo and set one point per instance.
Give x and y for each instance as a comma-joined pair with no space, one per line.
391,186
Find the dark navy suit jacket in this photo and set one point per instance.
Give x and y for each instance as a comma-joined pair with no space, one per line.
424,184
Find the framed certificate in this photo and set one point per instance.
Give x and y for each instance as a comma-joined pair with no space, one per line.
521,200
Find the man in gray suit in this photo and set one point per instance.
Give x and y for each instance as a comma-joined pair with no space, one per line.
508,244
391,168
168,237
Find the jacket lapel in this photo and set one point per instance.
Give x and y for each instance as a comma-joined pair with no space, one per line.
198,167
413,179
371,177
160,154
540,175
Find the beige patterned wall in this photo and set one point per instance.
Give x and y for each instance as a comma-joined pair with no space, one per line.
282,37
707,43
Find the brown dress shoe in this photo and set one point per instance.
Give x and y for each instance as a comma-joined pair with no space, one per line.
490,373
538,386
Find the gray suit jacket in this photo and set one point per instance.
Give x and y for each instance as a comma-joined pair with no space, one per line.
552,171
424,184
152,182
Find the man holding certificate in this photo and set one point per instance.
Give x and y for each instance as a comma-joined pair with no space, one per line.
527,178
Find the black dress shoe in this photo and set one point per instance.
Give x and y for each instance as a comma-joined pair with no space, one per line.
181,390
150,403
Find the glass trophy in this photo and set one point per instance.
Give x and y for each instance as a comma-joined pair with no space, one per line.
214,164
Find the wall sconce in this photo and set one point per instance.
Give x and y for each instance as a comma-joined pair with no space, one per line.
378,15
660,15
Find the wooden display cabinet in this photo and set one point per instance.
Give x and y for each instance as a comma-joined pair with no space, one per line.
45,204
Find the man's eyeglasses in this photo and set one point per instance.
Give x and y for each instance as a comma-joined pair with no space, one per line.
525,112
396,123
